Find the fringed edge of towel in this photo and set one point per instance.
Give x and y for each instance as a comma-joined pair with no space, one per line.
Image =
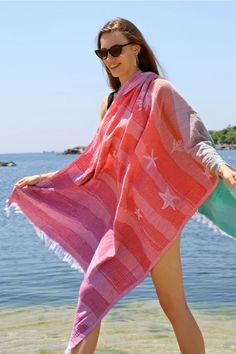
50,244
205,220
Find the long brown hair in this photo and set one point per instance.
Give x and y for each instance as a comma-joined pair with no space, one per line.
146,58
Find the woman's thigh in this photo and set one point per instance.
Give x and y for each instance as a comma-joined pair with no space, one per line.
167,278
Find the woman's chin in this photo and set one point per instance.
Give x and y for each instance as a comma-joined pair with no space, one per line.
115,73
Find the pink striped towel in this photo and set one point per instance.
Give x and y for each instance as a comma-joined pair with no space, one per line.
121,204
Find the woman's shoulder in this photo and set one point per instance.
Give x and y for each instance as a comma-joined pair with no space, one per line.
163,87
162,82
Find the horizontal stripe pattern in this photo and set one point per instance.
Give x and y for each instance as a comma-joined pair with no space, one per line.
119,205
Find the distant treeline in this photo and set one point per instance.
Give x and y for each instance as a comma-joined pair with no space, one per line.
224,136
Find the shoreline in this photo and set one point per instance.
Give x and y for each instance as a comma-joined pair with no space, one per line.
131,327
78,150
225,146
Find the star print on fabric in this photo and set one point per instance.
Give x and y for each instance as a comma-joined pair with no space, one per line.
148,100
151,159
168,199
144,101
140,104
178,145
138,213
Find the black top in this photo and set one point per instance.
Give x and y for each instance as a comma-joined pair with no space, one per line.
110,98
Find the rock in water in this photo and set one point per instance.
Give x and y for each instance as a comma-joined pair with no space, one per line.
10,163
75,150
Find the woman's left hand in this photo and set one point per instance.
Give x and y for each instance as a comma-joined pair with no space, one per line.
228,175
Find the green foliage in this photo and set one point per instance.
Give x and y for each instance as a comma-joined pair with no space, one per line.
224,136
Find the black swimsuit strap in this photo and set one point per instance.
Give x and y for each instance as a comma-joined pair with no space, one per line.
110,98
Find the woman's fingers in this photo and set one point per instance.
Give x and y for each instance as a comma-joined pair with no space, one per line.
20,184
228,174
231,179
31,180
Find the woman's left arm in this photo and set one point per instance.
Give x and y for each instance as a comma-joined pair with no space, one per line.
201,146
196,138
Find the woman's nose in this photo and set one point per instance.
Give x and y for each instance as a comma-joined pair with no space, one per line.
109,56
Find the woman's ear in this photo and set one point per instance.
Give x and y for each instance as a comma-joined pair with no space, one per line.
136,48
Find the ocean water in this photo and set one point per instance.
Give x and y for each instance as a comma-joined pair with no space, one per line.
34,278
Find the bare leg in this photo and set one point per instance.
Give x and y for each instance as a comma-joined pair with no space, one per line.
89,343
168,281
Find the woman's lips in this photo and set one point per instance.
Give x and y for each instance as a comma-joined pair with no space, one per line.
113,67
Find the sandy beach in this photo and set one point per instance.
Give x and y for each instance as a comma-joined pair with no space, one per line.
134,327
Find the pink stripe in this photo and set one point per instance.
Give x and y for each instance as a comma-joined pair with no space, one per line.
92,202
69,220
71,242
183,163
154,178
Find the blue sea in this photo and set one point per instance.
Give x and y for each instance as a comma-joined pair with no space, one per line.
39,292
32,275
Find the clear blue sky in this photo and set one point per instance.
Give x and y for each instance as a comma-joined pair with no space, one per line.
52,84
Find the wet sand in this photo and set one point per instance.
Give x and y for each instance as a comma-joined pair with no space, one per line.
135,327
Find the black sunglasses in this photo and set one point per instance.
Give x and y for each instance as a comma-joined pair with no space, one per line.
115,51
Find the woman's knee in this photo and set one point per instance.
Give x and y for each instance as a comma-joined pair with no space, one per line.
174,308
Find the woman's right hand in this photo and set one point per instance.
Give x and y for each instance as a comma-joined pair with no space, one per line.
28,181
31,180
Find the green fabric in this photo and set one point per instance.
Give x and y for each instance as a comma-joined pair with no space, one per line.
220,207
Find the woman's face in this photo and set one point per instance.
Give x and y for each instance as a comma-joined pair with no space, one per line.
123,66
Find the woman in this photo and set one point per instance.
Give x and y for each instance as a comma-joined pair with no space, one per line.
125,56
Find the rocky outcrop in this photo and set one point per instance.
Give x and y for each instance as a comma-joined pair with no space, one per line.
10,164
226,146
75,150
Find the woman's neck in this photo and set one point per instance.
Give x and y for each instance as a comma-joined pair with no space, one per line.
126,78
